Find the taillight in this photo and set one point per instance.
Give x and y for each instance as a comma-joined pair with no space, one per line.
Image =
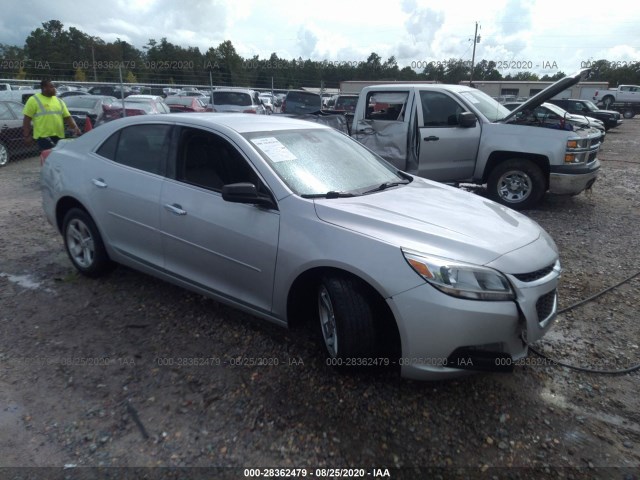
43,155
284,105
249,110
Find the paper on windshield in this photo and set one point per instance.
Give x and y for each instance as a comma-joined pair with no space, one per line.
273,149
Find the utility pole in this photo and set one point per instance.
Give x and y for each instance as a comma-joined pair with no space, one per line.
476,39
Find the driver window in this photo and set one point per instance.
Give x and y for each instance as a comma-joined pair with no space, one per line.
439,110
209,161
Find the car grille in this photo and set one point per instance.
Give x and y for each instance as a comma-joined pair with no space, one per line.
545,305
533,276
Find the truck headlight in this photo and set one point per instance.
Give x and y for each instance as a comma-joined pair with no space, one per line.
460,279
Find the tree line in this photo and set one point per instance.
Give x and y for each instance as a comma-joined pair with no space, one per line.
51,51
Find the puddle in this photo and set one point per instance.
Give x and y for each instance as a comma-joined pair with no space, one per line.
24,281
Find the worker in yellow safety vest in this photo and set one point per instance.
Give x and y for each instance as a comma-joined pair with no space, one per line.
48,114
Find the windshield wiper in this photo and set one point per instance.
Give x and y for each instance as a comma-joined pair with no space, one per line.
330,194
386,185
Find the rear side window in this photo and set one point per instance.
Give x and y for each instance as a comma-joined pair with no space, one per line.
144,147
388,106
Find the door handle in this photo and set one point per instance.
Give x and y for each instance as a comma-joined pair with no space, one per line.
431,138
98,182
175,209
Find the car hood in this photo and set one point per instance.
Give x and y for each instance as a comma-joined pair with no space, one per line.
549,92
443,221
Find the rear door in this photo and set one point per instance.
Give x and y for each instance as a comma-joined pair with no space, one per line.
447,151
385,128
125,190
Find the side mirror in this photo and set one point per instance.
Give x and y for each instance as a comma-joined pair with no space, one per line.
467,119
246,193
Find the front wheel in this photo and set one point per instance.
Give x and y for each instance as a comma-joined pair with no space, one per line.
84,244
346,317
516,183
4,155
629,114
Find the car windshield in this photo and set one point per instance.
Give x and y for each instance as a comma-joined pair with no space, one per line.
590,105
306,98
232,98
319,161
81,102
554,109
491,109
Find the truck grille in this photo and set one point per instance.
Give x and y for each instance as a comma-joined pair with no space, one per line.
533,276
546,305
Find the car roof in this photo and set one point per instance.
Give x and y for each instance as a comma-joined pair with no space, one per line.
239,122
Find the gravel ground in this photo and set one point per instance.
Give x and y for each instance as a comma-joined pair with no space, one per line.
129,371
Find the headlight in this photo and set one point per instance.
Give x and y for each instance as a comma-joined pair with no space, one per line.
460,279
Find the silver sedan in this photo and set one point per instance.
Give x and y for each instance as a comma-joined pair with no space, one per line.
290,220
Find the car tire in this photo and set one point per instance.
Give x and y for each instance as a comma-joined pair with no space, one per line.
4,155
628,114
516,183
345,311
84,244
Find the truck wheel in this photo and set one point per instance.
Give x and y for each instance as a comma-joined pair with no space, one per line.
607,101
516,183
346,317
629,114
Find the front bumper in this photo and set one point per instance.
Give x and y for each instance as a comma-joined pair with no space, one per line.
570,180
434,325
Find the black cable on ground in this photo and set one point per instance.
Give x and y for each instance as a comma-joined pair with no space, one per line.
586,369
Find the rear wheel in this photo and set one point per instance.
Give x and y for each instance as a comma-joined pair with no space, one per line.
516,183
607,101
346,317
84,244
4,155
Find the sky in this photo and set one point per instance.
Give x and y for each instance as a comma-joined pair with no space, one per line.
542,36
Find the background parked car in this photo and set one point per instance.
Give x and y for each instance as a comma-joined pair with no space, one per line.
185,104
92,106
299,102
111,90
133,108
610,118
548,112
267,101
11,141
157,103
239,100
346,103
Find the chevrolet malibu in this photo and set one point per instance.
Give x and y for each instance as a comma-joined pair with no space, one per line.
290,220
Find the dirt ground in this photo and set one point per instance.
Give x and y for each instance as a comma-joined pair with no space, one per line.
129,371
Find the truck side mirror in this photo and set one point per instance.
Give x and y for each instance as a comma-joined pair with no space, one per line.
467,120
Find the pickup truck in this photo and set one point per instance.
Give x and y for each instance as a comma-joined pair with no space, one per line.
624,99
457,134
